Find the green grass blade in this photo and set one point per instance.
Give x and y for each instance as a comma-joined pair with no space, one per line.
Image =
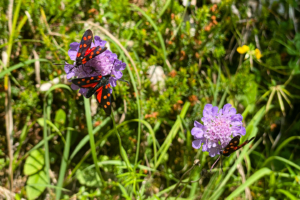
287,194
86,138
62,86
163,10
14,67
286,161
64,160
284,143
52,126
46,147
137,101
281,103
161,40
255,177
164,148
122,150
270,98
91,135
151,131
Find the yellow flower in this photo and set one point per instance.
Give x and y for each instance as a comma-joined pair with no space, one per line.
242,50
257,54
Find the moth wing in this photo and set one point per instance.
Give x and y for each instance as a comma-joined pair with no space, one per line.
232,146
103,97
85,42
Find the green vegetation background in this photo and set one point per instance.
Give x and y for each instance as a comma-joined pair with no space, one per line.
51,138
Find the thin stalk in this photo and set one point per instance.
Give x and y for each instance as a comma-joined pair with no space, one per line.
46,147
91,135
64,161
122,150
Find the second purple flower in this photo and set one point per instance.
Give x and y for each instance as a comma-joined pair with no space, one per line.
217,129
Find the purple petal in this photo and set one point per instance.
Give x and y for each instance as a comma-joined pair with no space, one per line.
215,110
73,50
196,144
70,75
74,87
113,81
232,111
236,123
120,66
207,110
220,112
68,67
238,129
98,42
117,74
204,146
214,151
83,91
242,130
237,117
205,120
226,109
214,144
197,132
197,124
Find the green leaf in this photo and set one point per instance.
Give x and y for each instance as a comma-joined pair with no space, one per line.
254,178
287,194
28,62
88,177
35,162
36,184
60,118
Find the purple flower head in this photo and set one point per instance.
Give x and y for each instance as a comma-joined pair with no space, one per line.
104,64
217,128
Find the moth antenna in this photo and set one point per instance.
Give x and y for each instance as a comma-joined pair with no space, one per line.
215,163
62,64
124,81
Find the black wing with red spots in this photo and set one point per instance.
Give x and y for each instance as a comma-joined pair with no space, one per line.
103,97
85,53
233,145
93,52
84,45
98,85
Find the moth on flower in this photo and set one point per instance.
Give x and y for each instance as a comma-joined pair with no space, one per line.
97,75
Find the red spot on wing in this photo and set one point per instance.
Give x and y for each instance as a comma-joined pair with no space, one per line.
91,85
89,51
99,94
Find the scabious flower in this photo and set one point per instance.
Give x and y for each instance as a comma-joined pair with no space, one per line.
217,128
106,63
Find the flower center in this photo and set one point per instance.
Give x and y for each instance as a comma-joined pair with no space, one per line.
219,129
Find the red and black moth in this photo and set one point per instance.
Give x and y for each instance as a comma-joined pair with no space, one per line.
231,147
98,85
85,53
